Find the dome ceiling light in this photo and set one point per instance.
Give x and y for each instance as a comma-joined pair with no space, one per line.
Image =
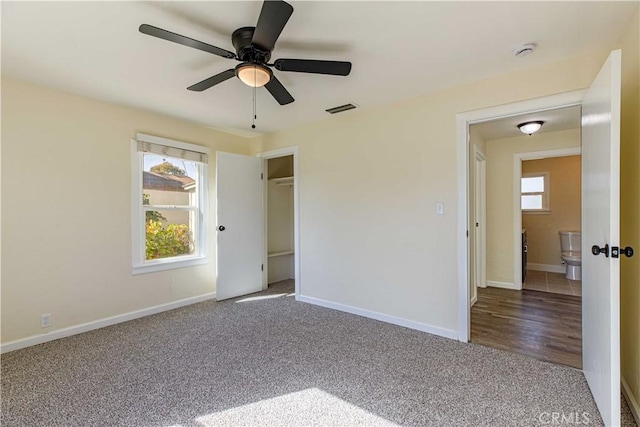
254,75
530,127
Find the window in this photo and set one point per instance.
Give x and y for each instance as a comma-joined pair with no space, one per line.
169,200
534,190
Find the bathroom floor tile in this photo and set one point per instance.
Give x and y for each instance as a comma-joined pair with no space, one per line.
556,283
535,281
556,277
576,286
560,289
536,274
536,286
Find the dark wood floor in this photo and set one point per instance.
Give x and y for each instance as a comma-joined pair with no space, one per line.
539,324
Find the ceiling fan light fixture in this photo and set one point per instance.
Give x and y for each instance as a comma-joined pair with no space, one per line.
253,75
530,127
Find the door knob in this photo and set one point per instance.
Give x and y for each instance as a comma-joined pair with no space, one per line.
596,250
628,251
221,228
616,251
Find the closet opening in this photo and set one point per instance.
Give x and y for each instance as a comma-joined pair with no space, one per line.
279,196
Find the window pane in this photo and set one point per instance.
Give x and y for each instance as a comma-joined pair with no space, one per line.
168,181
532,202
169,233
534,184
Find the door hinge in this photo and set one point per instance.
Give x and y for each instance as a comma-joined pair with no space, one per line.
261,267
261,176
467,233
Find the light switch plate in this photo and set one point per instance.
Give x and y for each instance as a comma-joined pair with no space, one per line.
439,208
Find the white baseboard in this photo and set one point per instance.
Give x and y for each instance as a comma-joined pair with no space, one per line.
550,268
504,285
435,330
633,403
97,324
474,299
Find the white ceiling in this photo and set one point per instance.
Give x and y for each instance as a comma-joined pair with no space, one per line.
554,120
398,50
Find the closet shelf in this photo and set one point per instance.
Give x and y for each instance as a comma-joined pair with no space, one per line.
281,253
287,180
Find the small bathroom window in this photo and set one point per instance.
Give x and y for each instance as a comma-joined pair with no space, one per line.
534,189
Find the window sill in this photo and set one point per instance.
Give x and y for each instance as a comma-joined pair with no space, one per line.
538,212
168,264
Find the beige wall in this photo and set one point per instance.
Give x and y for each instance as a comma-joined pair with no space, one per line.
629,211
564,202
369,183
66,211
500,203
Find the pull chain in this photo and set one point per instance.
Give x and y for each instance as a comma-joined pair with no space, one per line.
253,126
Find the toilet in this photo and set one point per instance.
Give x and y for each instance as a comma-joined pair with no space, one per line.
570,245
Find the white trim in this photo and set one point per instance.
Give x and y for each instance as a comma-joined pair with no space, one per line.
462,252
435,330
136,205
503,285
633,403
550,268
474,299
281,152
172,143
517,211
463,120
101,323
168,264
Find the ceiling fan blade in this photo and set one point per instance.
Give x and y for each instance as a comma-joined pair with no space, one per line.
212,81
186,41
273,17
335,68
278,91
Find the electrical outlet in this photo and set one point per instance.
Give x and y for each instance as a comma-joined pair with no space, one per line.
45,320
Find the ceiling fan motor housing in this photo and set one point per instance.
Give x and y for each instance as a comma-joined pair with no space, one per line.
246,51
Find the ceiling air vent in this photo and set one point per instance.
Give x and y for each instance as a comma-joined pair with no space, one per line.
341,108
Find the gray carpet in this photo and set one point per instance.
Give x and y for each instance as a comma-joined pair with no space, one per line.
269,360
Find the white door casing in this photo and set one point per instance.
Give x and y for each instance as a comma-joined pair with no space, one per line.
463,121
272,154
240,212
600,226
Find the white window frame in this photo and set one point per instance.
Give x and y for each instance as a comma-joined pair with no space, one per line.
200,255
546,208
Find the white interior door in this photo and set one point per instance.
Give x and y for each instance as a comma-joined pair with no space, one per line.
480,224
600,227
239,225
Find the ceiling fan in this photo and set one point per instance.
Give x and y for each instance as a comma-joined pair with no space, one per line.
253,49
